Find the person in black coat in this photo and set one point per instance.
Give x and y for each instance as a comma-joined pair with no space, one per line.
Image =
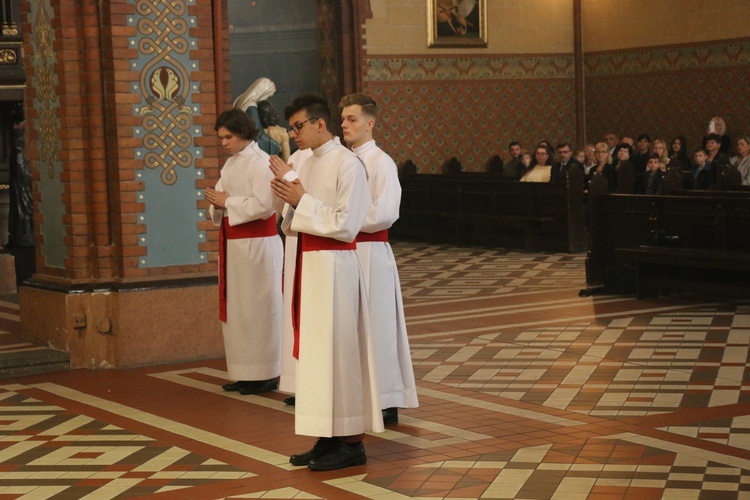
650,181
702,173
566,161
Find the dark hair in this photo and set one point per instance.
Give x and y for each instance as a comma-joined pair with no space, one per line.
714,137
514,143
682,154
564,145
550,154
267,114
653,156
701,150
237,122
643,136
367,103
623,145
315,106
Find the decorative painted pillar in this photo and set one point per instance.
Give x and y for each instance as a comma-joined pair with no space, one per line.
120,107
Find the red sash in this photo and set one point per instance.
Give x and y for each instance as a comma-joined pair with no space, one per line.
259,228
381,235
309,243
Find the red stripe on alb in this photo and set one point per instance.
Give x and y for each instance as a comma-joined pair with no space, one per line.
259,228
381,235
309,243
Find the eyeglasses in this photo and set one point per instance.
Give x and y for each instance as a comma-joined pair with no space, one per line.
297,126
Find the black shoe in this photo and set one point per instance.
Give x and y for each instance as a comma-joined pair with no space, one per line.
345,455
290,401
234,386
390,416
322,446
259,386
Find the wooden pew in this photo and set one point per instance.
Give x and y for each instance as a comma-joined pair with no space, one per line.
699,242
480,209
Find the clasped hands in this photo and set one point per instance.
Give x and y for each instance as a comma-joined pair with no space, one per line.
216,198
289,191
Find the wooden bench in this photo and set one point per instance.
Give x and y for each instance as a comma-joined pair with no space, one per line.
480,209
702,271
693,242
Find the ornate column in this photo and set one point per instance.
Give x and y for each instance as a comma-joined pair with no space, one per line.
121,105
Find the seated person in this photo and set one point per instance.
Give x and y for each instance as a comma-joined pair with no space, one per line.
701,177
559,172
541,167
650,181
524,162
513,167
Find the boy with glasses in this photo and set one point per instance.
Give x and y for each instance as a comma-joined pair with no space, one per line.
327,202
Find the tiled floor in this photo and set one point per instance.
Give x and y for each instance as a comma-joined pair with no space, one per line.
527,391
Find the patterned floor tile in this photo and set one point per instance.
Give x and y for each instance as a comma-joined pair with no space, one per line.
527,391
46,450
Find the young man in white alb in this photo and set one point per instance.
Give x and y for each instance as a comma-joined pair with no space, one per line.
327,201
392,356
250,252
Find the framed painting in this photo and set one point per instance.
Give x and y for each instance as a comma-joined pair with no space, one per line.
457,23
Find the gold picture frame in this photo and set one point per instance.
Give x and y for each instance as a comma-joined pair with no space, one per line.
457,23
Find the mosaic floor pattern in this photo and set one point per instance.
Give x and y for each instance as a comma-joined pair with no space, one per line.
527,391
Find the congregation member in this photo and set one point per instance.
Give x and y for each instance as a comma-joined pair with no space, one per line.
541,165
625,179
650,181
717,125
513,167
717,160
327,202
589,152
580,157
603,166
743,158
393,365
678,154
622,155
641,152
250,252
612,140
659,147
559,172
702,175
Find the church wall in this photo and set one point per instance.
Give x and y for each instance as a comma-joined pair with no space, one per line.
667,91
634,24
668,70
659,67
470,102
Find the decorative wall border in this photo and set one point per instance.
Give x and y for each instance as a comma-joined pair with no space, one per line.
46,102
697,56
460,67
167,108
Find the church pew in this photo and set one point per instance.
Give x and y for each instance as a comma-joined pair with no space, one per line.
693,242
480,209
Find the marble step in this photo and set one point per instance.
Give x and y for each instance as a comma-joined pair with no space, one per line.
33,361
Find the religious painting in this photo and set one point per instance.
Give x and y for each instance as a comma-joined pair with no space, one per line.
457,23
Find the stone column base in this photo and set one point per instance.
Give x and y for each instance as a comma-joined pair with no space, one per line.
123,328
